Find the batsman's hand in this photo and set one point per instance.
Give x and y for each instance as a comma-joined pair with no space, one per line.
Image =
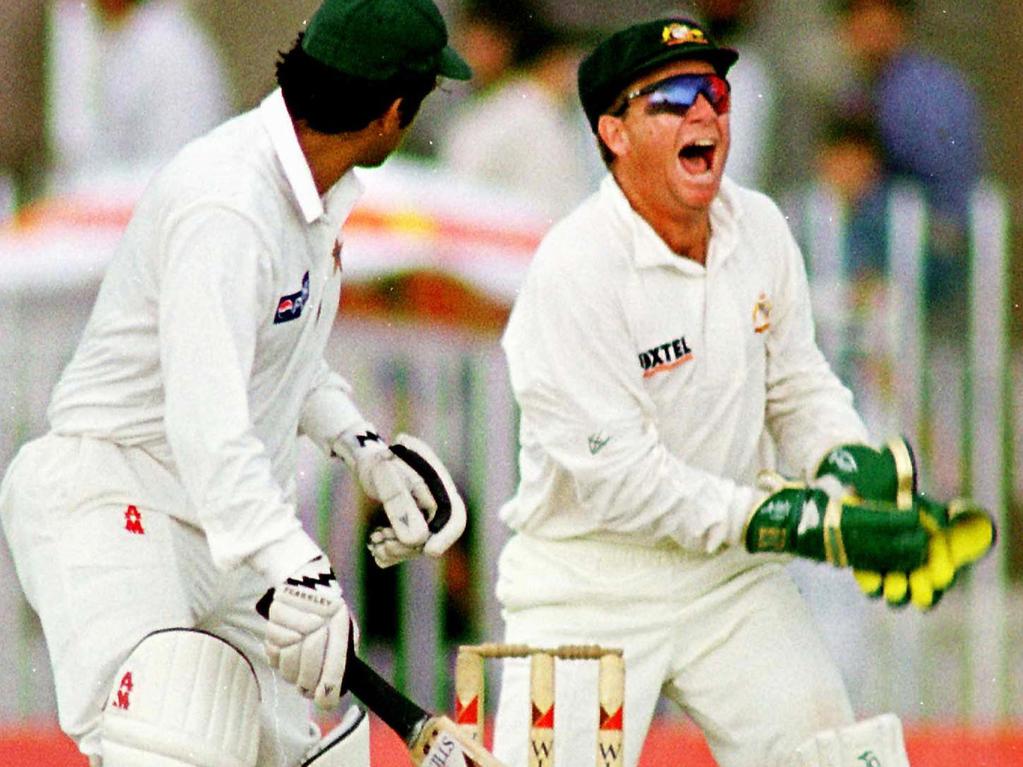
387,479
958,534
444,511
308,631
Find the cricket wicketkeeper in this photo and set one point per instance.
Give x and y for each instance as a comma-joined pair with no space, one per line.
160,508
663,330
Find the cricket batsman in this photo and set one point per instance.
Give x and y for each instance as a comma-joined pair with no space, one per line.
160,508
663,330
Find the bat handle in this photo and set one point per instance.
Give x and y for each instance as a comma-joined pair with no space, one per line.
398,712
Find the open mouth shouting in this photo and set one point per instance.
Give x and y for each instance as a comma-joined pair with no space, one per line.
697,156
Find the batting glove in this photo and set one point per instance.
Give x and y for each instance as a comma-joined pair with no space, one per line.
444,512
387,479
308,632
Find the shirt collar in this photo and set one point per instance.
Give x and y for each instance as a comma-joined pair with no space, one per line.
651,251
296,170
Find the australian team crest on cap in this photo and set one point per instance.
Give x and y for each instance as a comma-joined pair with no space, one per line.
679,34
290,307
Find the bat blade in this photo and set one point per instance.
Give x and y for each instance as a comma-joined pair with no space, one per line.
441,743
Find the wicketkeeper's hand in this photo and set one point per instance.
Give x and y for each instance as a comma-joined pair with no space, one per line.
959,534
444,512
308,631
821,521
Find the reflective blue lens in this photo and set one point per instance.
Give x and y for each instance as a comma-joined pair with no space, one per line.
677,94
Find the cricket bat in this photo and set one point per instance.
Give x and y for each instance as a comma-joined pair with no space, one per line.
432,740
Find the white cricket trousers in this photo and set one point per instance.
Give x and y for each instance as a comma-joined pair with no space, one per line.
726,637
102,575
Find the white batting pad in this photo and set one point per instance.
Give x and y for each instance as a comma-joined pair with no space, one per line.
183,698
347,745
873,742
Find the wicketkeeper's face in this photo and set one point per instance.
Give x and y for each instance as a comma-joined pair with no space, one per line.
671,136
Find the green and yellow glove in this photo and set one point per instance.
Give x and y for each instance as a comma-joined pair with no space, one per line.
825,523
959,534
885,474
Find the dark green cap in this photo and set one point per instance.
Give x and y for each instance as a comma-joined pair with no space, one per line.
632,52
378,39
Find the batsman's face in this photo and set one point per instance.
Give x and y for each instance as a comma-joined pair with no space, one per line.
672,162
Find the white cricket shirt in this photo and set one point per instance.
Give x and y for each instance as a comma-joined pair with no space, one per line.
203,356
646,380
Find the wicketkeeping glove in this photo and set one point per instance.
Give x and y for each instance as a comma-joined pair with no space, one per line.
308,631
821,522
445,511
885,474
958,534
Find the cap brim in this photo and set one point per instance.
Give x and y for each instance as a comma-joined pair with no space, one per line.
452,65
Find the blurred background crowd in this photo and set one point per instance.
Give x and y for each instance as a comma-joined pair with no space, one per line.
853,94
852,91
852,98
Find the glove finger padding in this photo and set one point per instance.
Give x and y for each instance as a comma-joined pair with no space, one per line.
870,582
958,535
971,533
447,522
389,486
327,693
387,550
308,631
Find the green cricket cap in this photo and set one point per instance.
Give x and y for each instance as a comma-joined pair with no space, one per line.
379,39
632,52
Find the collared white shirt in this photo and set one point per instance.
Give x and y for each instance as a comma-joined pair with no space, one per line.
205,347
646,380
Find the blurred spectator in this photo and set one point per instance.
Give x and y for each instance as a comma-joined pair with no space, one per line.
753,89
22,155
523,129
490,35
929,127
850,165
8,201
131,81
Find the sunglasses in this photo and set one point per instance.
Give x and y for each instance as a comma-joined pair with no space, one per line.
675,95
